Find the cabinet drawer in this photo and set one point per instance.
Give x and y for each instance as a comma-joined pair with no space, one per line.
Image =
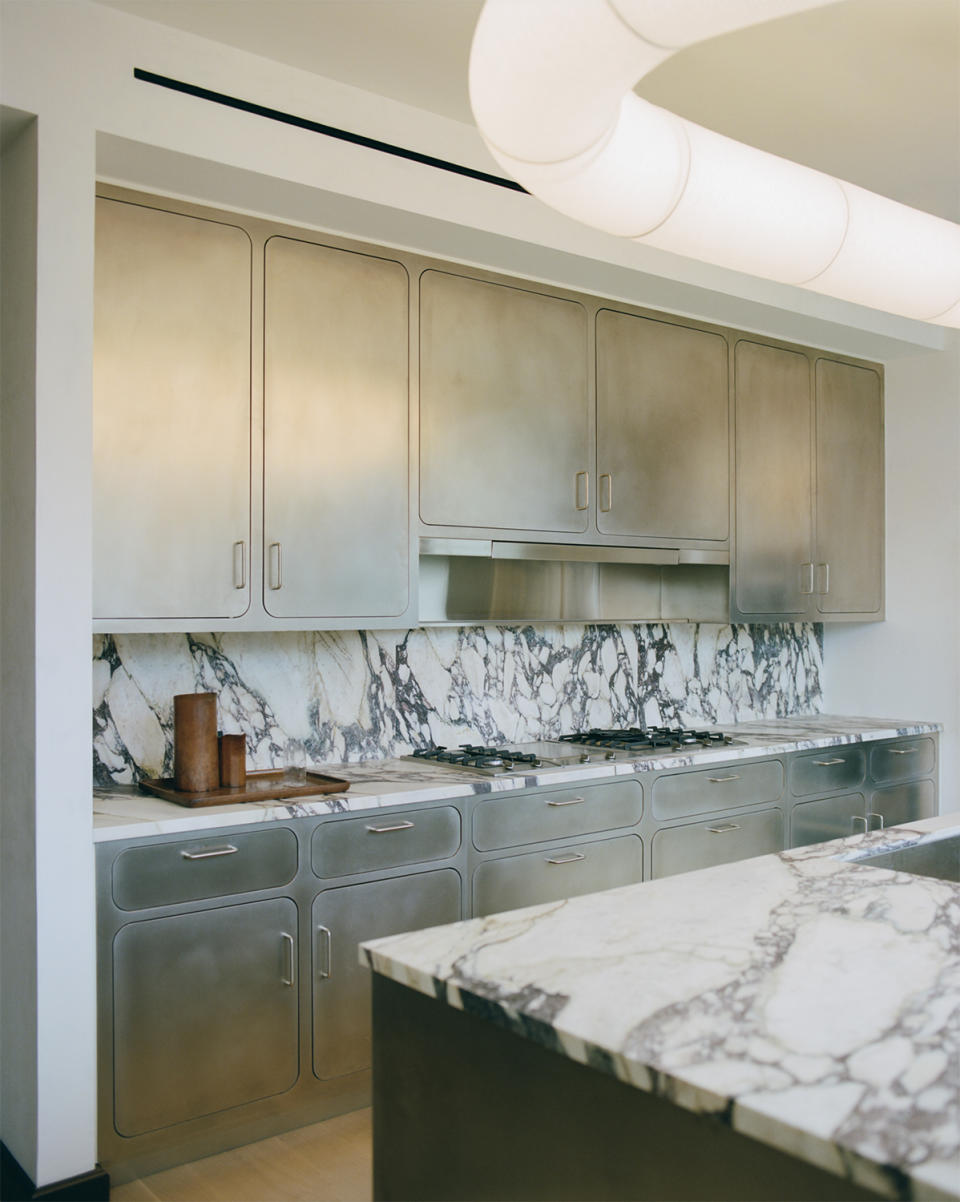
515,819
904,803
546,876
163,874
827,771
827,818
382,839
724,787
891,762
684,848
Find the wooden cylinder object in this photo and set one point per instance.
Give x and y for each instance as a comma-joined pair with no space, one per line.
233,761
196,766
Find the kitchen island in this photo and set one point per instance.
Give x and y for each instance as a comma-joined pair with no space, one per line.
784,1027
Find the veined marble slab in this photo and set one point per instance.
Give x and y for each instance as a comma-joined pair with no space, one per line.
811,1002
122,811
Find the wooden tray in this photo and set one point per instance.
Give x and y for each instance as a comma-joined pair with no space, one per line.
271,785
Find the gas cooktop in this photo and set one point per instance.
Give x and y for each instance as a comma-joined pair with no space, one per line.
581,747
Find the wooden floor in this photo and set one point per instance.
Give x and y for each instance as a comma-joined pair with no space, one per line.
327,1162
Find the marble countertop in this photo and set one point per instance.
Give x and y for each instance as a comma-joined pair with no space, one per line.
810,1000
123,812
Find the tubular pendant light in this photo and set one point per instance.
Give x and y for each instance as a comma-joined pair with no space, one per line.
551,87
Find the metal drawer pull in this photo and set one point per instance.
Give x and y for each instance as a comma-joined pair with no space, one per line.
806,579
577,855
825,567
384,830
229,850
719,780
276,566
240,565
903,750
288,977
324,945
829,763
874,814
722,830
857,818
606,504
572,801
584,476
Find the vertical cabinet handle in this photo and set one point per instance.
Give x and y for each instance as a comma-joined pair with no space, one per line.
806,578
874,814
583,490
240,565
324,940
606,492
824,571
854,819
288,976
276,566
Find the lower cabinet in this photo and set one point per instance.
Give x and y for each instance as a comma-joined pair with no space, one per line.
718,841
206,1015
344,917
828,818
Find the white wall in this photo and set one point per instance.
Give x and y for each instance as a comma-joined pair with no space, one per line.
71,64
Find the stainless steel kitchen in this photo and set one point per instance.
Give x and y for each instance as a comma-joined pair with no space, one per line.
493,487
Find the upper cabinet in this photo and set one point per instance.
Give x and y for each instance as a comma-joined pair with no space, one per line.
504,421
809,487
171,416
336,533
663,468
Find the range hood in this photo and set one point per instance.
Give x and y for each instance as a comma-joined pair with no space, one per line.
467,580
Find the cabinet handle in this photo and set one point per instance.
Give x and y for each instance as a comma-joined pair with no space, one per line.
824,569
288,977
229,850
606,490
324,945
585,477
829,763
240,565
857,818
874,814
385,830
903,750
571,801
276,566
719,780
806,578
722,830
577,855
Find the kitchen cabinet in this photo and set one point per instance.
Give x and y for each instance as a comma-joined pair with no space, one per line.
504,424
336,530
809,487
342,918
716,841
171,415
205,1012
663,448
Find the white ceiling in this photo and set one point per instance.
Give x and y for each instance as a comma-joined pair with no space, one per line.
868,90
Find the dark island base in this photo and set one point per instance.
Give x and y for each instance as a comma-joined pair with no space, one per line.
463,1109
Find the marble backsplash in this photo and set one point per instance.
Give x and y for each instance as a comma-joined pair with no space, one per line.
358,695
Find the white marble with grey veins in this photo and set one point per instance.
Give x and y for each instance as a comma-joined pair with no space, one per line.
346,697
811,1002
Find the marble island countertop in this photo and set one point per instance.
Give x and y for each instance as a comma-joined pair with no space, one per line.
808,999
123,811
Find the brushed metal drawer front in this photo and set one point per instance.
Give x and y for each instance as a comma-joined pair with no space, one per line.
890,762
163,874
552,875
382,839
513,820
724,787
704,844
827,771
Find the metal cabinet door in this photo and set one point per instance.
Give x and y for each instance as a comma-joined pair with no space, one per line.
720,841
205,1012
663,453
774,524
342,919
849,509
171,415
504,437
827,818
908,802
336,376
